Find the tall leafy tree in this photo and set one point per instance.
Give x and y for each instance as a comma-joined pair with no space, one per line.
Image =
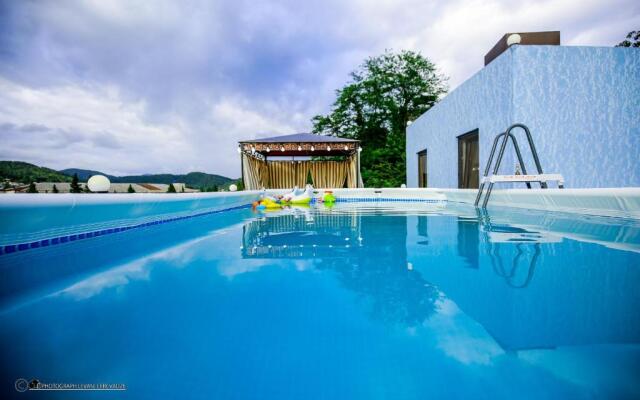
632,40
385,93
171,189
75,185
55,189
130,189
32,188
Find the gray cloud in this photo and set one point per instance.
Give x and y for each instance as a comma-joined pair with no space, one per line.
186,80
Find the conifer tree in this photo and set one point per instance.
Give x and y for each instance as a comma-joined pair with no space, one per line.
75,186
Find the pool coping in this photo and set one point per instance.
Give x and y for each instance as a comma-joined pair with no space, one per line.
618,202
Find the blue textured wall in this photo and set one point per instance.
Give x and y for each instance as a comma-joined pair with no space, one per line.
582,105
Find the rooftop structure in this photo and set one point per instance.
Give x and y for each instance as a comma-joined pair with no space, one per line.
329,161
580,103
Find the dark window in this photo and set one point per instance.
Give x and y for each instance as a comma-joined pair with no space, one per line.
468,160
422,168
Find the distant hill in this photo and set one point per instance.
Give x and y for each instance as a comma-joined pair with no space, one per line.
19,171
85,174
192,179
197,180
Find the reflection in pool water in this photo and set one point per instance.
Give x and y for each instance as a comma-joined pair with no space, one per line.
410,302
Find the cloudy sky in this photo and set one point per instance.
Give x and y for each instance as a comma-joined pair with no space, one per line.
170,86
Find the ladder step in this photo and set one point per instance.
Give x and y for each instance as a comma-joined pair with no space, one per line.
494,178
525,178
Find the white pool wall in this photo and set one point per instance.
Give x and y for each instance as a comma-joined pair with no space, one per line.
611,202
53,214
33,216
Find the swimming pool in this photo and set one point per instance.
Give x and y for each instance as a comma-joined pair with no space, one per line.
402,300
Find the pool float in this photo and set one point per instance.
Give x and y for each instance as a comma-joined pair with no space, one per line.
264,197
269,203
328,197
303,198
295,192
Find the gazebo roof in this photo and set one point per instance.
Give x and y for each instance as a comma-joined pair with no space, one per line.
300,144
301,138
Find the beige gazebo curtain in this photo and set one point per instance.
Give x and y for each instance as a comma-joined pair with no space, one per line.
260,174
255,173
287,174
352,172
329,174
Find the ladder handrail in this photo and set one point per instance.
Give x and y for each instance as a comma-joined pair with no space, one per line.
488,166
505,136
532,146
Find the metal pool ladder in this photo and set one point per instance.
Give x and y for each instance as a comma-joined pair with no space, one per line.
540,177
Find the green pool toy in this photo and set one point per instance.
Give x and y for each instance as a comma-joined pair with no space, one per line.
328,198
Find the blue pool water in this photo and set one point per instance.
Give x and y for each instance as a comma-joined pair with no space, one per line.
397,301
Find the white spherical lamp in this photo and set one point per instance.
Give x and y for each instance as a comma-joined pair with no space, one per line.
513,39
99,183
233,188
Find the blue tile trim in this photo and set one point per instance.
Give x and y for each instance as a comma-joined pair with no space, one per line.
385,200
12,248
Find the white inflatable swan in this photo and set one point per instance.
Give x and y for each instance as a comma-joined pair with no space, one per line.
295,192
302,198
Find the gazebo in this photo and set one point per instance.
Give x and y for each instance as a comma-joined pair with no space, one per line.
283,162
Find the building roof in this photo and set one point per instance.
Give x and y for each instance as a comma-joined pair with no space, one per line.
526,38
300,144
301,138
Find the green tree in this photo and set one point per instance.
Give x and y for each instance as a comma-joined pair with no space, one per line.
32,188
171,189
385,93
130,189
85,189
55,189
75,186
632,40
